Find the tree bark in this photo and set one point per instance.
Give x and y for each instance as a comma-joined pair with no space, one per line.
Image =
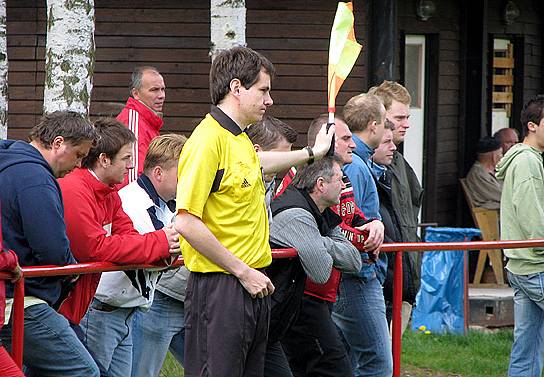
69,55
227,24
3,73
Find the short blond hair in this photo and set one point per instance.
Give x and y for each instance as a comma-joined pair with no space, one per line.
361,110
164,151
388,91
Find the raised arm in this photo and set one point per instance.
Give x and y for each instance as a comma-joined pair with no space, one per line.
274,162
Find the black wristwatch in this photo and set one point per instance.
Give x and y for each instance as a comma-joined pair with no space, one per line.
310,154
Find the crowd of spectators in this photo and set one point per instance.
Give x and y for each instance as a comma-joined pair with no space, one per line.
116,190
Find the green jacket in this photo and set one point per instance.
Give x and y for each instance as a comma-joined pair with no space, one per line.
522,206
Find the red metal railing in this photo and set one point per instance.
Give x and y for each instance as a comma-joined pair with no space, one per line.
434,246
86,268
73,269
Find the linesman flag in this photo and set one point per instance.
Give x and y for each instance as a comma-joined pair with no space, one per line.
343,52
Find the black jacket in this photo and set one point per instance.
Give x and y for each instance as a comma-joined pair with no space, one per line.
287,275
393,234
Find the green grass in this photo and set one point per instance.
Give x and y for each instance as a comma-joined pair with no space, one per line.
171,367
475,355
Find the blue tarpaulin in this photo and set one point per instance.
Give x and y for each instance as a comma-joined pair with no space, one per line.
439,302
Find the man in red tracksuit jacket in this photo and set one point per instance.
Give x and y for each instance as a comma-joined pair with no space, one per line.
321,344
142,114
96,225
8,262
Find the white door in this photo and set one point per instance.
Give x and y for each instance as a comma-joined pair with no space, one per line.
414,78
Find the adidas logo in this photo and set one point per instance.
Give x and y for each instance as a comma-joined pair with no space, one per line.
245,184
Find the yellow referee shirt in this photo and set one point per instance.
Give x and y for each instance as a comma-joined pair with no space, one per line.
220,181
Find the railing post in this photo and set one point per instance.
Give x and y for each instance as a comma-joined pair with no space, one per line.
18,324
397,316
466,301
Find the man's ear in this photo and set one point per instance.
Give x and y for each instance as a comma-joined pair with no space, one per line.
235,85
104,160
372,126
257,148
57,142
320,183
531,126
158,173
134,93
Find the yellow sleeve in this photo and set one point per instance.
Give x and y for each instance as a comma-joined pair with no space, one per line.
199,163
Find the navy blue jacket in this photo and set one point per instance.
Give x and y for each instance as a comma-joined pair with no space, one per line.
33,216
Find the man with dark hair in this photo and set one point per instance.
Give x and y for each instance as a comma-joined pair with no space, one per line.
150,204
30,195
142,113
484,187
100,231
271,133
522,217
273,140
222,219
223,222
304,220
507,137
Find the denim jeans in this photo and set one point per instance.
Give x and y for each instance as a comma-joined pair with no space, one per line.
108,338
51,347
156,331
528,348
359,313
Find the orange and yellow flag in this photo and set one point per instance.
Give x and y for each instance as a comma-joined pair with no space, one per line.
343,51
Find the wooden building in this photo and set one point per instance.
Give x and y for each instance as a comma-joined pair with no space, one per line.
469,66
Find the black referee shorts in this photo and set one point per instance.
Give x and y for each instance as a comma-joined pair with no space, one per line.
225,328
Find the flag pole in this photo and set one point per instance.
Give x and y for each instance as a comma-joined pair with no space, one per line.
343,52
330,122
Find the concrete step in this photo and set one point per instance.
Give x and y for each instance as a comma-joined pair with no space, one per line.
491,307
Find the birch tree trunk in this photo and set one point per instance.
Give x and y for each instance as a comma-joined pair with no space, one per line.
3,73
227,24
69,55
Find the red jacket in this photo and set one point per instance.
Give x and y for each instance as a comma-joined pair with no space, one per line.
351,216
146,125
100,231
8,262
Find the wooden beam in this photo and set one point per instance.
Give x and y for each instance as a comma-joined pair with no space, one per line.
503,63
503,80
503,97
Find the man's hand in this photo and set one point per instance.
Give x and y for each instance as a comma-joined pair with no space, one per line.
173,239
374,240
17,274
323,141
256,283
